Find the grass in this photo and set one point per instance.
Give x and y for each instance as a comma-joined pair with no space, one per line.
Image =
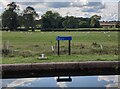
25,47
62,58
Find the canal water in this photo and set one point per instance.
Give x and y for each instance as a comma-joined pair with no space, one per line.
77,81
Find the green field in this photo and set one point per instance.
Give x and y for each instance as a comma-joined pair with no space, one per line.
25,47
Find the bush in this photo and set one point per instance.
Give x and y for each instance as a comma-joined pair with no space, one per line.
6,52
26,53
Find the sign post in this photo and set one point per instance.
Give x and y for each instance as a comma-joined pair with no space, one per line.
58,47
69,47
69,38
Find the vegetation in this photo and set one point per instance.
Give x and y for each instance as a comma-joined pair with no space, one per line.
54,20
12,19
94,21
70,22
9,17
29,16
26,47
61,58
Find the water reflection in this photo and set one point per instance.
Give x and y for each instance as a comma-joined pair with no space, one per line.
112,81
78,81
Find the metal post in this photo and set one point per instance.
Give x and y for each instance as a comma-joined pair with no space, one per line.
69,47
58,47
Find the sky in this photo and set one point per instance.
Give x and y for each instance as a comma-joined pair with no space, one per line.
107,9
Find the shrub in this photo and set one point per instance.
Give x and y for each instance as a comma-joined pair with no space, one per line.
26,53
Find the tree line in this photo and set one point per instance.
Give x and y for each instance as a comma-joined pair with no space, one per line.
54,20
12,19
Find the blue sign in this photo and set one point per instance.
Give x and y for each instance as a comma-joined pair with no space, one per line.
64,38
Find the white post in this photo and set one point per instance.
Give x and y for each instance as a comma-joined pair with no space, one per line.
42,55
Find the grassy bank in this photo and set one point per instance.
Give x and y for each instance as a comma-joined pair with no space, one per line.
62,58
25,47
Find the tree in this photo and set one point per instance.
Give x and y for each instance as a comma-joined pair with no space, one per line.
29,16
12,6
118,24
95,21
21,21
70,22
83,24
51,20
9,17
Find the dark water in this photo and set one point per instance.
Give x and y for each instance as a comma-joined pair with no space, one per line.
77,81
